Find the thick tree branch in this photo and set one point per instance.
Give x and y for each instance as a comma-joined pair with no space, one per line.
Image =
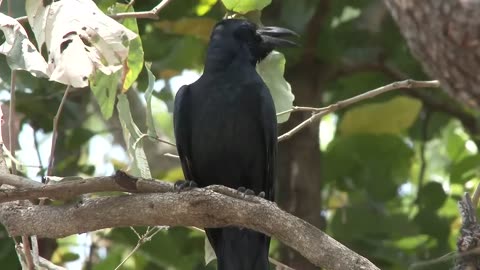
202,207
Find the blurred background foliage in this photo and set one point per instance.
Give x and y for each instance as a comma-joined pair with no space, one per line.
392,168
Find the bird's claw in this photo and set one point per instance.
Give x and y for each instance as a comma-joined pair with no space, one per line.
249,192
181,185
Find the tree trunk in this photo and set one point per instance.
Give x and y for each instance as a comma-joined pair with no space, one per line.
444,36
299,181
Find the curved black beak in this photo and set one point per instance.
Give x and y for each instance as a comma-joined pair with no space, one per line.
274,35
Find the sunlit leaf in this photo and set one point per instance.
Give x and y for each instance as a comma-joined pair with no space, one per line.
209,252
21,53
78,32
133,139
135,51
244,6
411,242
204,6
271,70
391,117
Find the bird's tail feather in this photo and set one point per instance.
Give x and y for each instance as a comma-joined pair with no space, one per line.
239,249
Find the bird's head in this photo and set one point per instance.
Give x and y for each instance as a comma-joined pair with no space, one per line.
233,38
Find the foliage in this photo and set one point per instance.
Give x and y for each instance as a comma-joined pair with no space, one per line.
391,173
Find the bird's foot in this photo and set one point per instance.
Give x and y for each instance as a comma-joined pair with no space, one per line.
182,185
249,192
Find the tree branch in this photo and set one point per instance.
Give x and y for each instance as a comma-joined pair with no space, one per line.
151,14
317,113
199,207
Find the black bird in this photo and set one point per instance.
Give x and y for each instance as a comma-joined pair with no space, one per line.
226,131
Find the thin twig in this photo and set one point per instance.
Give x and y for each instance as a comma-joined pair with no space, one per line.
37,148
152,137
151,14
149,234
171,155
347,102
11,119
51,159
302,109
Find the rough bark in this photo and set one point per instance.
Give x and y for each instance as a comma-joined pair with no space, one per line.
444,36
206,207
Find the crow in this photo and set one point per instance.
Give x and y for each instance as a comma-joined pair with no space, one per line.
226,131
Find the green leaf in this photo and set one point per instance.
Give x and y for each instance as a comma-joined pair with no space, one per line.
204,6
357,222
70,257
271,70
133,138
209,252
465,170
104,87
430,223
432,196
411,242
148,98
244,6
390,117
377,164
135,51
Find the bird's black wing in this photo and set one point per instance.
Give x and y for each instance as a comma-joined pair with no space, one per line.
182,125
269,124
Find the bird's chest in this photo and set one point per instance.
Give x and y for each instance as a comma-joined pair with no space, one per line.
226,123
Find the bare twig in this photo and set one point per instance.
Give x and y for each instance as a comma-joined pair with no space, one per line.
151,14
51,159
302,109
152,137
171,155
187,208
37,148
344,103
149,234
11,119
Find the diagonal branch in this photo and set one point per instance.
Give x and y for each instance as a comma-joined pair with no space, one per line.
317,113
215,206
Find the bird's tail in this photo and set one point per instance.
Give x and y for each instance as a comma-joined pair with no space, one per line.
239,249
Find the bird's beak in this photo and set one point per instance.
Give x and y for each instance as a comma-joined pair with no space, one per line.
274,35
